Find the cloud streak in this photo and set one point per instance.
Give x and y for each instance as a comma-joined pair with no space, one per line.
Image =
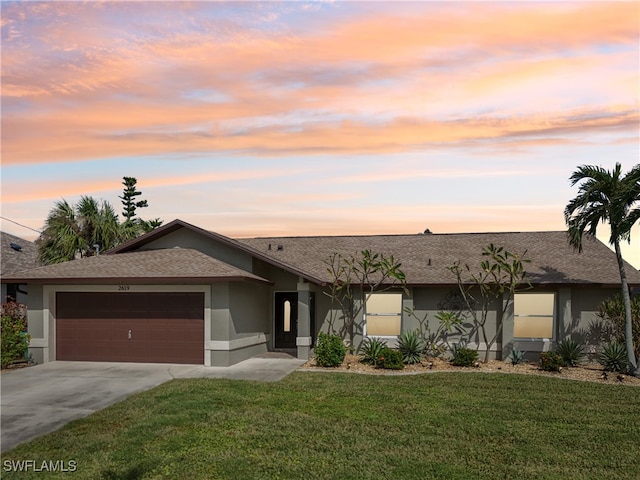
326,117
83,95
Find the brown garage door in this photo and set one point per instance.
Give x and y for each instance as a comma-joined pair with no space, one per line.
130,327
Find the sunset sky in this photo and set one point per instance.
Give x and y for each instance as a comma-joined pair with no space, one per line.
302,118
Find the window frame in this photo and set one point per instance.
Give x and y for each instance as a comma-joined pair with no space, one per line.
553,317
366,315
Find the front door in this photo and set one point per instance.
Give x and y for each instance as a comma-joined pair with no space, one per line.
286,319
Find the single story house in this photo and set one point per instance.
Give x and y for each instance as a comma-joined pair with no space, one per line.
16,254
182,294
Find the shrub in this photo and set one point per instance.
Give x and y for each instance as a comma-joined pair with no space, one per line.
410,346
390,359
517,356
612,311
14,339
449,323
570,351
551,361
464,357
614,358
330,350
371,349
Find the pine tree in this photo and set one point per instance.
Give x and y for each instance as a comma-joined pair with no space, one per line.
128,198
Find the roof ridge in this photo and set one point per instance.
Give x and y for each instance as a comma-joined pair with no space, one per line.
398,235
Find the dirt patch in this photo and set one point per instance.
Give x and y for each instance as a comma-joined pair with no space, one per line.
588,372
16,366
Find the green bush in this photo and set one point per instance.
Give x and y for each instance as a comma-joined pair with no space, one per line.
14,339
371,349
517,356
330,350
614,358
411,347
464,357
390,359
612,312
571,352
551,361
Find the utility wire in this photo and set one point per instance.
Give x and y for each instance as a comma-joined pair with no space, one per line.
12,221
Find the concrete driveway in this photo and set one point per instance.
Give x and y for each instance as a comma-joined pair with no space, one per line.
43,398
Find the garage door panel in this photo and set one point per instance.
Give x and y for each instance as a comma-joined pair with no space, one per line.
191,335
163,328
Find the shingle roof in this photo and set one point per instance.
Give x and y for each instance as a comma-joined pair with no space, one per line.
160,266
178,224
15,260
425,257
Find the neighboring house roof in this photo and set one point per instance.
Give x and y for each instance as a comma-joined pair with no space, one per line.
425,257
159,266
23,255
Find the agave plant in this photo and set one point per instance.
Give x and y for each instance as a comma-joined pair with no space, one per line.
411,346
614,358
570,351
371,350
517,356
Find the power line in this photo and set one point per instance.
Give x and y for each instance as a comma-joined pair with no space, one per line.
12,221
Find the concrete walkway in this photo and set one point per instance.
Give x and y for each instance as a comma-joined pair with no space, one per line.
40,399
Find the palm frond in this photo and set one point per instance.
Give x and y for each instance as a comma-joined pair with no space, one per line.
603,197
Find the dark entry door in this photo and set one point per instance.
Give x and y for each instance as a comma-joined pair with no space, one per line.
286,319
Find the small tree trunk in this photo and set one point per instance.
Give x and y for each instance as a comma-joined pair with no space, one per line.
499,325
486,344
626,298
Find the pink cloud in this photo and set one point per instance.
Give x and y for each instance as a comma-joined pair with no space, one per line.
44,190
447,218
59,141
123,95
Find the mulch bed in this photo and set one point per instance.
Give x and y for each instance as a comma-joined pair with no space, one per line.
16,366
588,372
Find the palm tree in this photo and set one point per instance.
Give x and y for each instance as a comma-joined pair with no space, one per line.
607,197
76,230
99,224
60,239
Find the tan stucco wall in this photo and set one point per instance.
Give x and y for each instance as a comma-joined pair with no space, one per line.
575,317
39,345
585,322
239,316
240,323
283,281
185,238
250,307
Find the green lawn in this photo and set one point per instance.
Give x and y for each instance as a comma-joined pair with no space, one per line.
343,426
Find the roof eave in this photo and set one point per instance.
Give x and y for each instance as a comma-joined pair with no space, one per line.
136,280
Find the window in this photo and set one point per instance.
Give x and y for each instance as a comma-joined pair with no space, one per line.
287,316
383,314
533,315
